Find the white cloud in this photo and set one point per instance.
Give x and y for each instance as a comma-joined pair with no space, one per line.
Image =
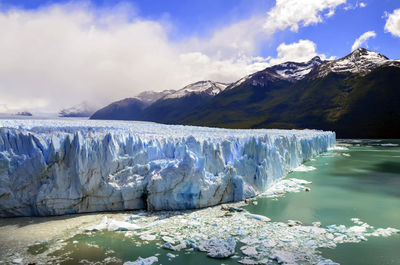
355,6
300,51
58,56
362,40
393,23
294,13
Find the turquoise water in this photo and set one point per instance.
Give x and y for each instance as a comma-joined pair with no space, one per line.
365,185
362,182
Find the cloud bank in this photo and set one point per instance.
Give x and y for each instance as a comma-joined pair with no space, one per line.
60,55
393,23
362,40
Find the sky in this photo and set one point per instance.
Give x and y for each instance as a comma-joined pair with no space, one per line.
57,54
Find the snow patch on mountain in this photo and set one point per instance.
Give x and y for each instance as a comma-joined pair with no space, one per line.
289,71
149,97
361,61
83,109
208,87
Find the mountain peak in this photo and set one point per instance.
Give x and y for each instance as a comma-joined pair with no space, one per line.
362,52
149,97
360,61
208,87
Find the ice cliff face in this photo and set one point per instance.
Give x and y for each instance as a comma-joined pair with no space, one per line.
59,167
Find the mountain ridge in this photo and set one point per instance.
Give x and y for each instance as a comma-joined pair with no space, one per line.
318,94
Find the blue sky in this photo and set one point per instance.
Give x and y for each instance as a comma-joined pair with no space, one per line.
333,37
77,49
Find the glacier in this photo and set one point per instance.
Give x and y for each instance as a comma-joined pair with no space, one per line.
55,167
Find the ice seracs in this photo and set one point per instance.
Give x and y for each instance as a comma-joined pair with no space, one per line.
52,167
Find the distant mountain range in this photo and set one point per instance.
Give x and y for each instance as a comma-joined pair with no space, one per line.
357,96
166,107
83,109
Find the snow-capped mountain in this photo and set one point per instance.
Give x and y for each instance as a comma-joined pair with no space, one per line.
360,61
361,101
149,97
208,87
83,109
293,71
290,71
153,106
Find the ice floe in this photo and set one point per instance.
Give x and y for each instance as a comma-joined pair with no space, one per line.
304,168
142,261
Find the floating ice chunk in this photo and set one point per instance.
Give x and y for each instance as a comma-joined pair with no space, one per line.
385,232
249,241
294,223
170,255
168,239
329,236
303,168
357,229
316,224
327,262
178,247
337,148
17,261
113,225
283,257
101,226
248,261
339,239
286,185
217,248
258,217
389,145
147,237
249,251
142,261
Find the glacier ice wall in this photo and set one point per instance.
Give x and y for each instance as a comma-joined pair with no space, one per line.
52,167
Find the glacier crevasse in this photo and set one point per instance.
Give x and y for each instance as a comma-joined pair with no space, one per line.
53,167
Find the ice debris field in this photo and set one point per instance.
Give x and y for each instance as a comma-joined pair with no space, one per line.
53,167
226,232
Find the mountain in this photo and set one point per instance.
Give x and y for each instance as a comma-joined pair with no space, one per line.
83,109
174,107
206,88
165,106
357,96
126,109
149,97
360,61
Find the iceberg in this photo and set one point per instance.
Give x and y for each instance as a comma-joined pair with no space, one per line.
55,167
142,261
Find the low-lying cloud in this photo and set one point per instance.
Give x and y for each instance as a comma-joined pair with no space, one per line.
60,55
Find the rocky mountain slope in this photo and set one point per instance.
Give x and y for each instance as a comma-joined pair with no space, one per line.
165,106
357,96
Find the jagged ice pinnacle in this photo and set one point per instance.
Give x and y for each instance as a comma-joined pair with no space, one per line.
50,167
